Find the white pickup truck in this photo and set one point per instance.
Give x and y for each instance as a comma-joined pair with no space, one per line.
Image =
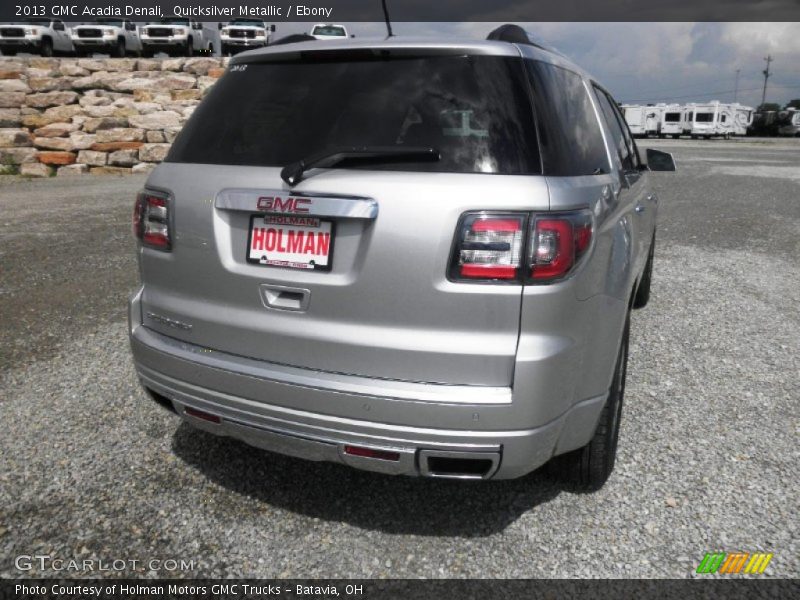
117,37
243,34
176,36
329,31
40,36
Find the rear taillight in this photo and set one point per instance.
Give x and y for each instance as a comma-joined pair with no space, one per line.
489,247
494,247
151,220
558,242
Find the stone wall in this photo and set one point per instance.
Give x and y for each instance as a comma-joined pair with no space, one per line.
75,116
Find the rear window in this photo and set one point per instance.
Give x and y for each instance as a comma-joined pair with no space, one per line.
704,117
474,109
672,117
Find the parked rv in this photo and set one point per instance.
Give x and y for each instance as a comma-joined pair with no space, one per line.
673,120
789,122
742,118
710,119
642,120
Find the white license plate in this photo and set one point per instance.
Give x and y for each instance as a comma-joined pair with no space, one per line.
290,241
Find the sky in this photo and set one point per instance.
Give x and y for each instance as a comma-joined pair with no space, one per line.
652,62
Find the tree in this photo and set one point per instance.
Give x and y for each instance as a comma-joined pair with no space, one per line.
794,103
767,106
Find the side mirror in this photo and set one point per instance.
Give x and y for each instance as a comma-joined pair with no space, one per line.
660,161
219,26
272,28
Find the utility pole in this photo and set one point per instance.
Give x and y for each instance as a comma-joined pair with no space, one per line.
766,76
736,87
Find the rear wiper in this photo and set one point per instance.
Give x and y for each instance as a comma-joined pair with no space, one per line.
293,173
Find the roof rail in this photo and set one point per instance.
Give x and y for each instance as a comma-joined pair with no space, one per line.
514,34
293,39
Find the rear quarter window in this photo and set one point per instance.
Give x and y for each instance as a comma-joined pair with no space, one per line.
623,141
474,109
570,134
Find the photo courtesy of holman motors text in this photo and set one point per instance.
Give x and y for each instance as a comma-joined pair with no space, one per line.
226,589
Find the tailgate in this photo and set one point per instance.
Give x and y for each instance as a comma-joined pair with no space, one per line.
383,306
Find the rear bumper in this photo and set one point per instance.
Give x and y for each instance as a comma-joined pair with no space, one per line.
315,415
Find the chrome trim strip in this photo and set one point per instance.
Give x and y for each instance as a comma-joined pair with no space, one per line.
322,205
493,457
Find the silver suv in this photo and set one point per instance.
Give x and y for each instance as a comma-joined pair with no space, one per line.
411,257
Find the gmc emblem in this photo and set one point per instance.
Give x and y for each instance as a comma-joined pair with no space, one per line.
284,205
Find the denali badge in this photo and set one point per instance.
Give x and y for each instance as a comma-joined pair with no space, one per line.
287,205
169,322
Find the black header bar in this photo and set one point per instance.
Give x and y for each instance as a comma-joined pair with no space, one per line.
399,589
408,10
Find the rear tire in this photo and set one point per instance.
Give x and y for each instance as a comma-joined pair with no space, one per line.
643,292
588,468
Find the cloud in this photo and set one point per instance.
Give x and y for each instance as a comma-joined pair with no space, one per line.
681,62
653,62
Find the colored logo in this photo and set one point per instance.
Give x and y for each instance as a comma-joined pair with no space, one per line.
730,563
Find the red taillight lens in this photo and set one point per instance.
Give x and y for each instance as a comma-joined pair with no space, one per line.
493,247
557,244
201,414
489,247
151,220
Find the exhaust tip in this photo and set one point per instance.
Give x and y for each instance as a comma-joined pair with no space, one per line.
161,400
459,465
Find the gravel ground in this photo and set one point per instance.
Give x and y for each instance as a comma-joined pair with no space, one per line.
708,452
